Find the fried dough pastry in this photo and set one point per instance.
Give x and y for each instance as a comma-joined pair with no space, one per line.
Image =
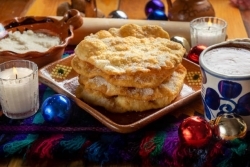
125,103
137,79
130,48
165,89
131,68
119,104
135,31
127,55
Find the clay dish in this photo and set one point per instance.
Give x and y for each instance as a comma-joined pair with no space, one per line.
62,28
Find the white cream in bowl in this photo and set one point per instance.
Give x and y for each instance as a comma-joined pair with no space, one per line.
28,41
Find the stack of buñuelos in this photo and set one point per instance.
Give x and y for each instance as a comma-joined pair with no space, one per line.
131,68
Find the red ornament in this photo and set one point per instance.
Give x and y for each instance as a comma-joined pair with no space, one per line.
195,131
195,52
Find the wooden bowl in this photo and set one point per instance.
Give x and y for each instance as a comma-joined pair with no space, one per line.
62,28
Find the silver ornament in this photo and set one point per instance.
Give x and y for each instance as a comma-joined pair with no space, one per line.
229,126
118,14
182,41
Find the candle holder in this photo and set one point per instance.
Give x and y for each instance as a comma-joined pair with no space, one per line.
19,94
207,31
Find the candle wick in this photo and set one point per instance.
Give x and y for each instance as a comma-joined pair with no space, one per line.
16,76
209,28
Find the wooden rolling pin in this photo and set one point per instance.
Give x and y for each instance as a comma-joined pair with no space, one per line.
92,25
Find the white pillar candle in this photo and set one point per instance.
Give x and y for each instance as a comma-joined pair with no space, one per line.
207,31
19,91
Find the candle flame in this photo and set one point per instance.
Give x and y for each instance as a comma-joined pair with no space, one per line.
15,71
209,23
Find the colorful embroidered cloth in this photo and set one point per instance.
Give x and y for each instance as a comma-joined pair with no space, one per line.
84,137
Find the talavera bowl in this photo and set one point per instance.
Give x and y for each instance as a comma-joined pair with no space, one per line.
62,28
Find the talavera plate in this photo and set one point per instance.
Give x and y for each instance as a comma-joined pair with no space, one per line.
126,122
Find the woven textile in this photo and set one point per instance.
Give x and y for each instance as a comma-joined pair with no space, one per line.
83,136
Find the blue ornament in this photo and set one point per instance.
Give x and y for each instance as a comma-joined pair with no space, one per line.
154,5
157,15
56,109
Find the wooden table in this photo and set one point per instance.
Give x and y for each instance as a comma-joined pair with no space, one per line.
238,21
238,27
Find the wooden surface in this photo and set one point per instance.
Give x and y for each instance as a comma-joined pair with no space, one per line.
13,8
223,9
246,20
238,27
238,21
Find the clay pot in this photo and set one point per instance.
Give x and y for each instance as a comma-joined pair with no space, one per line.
62,28
187,10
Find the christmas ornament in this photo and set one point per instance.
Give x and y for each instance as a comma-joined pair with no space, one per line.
153,5
195,52
118,14
56,109
182,41
157,15
229,126
195,131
